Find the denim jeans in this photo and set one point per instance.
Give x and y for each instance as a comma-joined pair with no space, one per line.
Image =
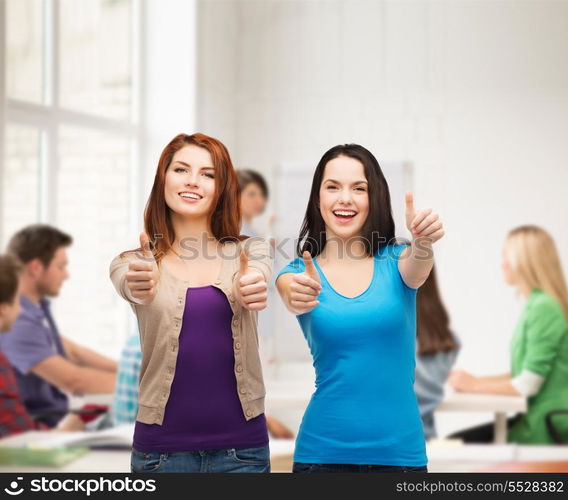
230,460
320,468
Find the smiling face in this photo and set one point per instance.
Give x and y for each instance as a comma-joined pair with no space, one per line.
344,197
190,182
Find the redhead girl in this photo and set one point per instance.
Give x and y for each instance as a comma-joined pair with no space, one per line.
195,287
354,293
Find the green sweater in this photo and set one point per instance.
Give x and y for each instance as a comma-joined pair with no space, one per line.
540,345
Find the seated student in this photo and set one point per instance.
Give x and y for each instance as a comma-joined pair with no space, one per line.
437,351
125,401
46,364
14,417
539,347
253,197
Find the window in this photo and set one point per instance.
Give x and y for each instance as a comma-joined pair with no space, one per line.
95,68
21,177
24,49
71,141
93,206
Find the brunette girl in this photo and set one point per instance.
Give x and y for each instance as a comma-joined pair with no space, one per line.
354,292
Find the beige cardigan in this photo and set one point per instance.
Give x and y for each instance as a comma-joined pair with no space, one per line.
160,324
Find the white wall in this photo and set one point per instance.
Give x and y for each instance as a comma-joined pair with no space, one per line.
474,94
169,75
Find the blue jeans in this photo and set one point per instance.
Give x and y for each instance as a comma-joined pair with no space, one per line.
319,468
230,460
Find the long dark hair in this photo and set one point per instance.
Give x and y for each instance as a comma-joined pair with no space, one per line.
432,319
377,231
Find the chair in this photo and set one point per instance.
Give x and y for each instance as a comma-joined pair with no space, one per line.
555,434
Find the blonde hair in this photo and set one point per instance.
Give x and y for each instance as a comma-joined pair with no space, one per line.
535,261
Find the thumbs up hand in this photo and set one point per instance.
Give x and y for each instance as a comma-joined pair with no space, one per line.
305,287
250,286
142,276
423,224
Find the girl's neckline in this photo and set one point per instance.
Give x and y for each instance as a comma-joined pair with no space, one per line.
163,267
373,277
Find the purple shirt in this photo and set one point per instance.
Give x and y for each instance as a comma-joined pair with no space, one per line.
203,410
33,338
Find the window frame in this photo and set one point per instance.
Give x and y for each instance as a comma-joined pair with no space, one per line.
49,116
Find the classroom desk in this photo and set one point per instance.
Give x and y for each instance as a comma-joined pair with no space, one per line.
442,457
452,456
77,402
533,467
107,461
498,404
296,394
93,461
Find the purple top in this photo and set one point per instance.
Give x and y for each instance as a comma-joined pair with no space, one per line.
203,411
33,338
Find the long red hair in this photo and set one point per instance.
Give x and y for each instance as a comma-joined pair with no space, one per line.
225,216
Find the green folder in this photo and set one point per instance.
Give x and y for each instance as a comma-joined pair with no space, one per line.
55,457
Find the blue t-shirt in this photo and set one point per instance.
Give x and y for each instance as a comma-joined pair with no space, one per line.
364,409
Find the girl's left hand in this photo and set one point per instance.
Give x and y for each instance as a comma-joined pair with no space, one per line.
462,381
424,224
250,286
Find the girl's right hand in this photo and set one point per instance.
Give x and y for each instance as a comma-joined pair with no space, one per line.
305,287
142,276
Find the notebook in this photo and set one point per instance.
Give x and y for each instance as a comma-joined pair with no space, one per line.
59,448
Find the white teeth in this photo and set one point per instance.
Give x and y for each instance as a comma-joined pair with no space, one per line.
344,212
190,195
